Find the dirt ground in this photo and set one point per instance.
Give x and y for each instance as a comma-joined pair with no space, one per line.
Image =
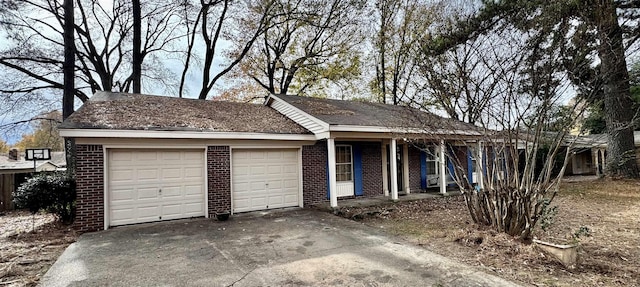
29,245
605,214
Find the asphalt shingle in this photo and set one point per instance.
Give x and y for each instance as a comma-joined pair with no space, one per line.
122,111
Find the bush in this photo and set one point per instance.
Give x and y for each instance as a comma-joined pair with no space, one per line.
54,192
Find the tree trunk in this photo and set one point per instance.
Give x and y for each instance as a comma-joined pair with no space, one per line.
68,95
617,96
137,52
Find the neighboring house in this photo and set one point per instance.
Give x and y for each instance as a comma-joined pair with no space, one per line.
588,156
147,158
14,170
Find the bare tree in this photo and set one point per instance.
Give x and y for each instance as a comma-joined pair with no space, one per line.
68,94
466,81
136,62
215,23
305,44
102,53
555,19
517,152
401,24
33,55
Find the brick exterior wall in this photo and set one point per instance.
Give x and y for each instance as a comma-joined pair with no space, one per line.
89,188
414,169
219,179
372,169
314,173
461,155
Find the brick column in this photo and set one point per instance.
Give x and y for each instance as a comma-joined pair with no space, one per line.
219,179
89,188
314,173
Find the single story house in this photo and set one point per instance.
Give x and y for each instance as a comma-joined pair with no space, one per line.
144,158
14,170
588,156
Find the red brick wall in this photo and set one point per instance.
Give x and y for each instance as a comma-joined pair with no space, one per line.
89,188
414,169
219,179
314,173
371,169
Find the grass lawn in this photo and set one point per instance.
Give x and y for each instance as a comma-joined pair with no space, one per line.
609,252
29,245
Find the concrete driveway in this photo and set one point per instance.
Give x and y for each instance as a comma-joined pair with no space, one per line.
282,248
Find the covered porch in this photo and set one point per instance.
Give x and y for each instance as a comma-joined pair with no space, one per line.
407,169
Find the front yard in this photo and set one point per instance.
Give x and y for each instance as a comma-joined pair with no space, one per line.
29,245
605,214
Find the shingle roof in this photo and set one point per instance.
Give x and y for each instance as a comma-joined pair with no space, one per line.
357,113
145,112
22,164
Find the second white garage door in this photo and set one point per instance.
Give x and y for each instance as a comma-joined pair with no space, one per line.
265,179
154,185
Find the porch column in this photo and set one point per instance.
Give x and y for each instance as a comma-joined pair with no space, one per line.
394,169
331,159
385,175
604,161
594,159
479,163
443,168
405,168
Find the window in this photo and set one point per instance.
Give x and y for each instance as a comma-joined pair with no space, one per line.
432,160
344,163
473,153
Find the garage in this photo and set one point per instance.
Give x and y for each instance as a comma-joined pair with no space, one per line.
265,179
154,185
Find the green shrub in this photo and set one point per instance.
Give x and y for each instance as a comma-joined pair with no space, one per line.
54,192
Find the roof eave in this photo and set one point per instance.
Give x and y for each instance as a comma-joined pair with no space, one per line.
115,133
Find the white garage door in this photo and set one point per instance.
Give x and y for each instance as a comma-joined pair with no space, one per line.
265,179
153,185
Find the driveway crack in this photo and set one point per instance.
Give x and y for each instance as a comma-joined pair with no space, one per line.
243,276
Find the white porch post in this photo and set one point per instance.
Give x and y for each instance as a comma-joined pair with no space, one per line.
604,160
594,159
405,168
443,168
394,169
479,163
331,155
385,175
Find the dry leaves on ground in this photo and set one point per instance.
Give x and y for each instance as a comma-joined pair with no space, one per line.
605,215
29,245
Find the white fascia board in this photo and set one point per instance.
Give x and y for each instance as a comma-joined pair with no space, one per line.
323,135
103,133
320,122
378,129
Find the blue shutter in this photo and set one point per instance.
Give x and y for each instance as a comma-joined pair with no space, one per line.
485,159
470,165
423,169
452,171
357,169
328,185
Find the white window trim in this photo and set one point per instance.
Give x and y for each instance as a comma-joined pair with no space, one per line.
350,162
432,157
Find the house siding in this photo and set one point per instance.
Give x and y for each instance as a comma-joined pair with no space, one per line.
89,188
314,173
414,169
292,113
218,179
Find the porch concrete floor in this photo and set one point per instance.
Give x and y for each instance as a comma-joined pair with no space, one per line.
386,200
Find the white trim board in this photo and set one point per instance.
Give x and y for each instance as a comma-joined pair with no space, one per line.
104,133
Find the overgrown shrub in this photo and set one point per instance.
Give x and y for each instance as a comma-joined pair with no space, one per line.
54,192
